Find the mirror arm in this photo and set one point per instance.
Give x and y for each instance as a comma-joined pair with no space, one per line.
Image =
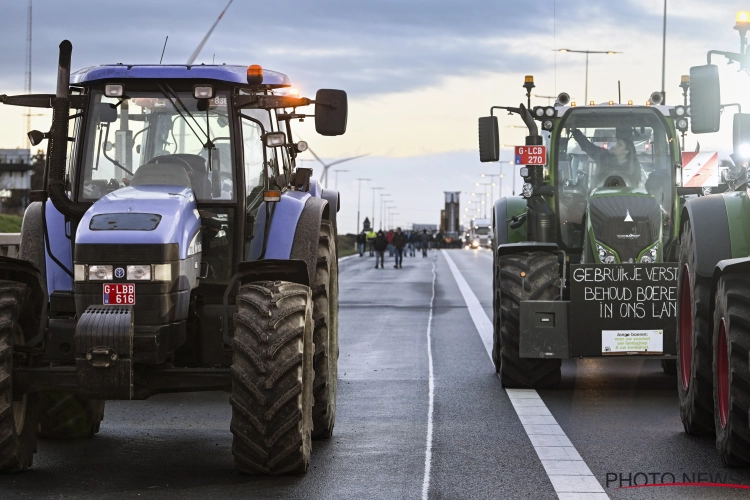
732,56
528,120
739,106
39,100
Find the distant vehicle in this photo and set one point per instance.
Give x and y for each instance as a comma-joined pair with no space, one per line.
480,233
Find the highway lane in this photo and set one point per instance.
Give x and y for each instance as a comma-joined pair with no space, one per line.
621,415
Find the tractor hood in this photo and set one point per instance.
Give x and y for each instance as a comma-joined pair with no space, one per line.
627,220
142,215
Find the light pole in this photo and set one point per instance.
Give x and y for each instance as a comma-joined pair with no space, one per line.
389,205
373,205
336,178
492,189
382,195
484,198
359,197
587,52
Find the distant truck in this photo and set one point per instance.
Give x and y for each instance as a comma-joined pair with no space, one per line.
480,233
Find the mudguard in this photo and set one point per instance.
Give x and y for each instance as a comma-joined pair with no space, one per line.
307,233
334,202
708,217
58,240
504,209
723,268
284,215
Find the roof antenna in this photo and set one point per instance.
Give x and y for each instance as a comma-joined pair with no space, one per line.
619,94
162,50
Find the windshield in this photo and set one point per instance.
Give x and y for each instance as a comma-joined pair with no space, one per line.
482,230
609,148
158,138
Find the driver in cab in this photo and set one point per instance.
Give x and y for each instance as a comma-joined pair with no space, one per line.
614,165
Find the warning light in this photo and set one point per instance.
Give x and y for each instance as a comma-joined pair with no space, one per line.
630,103
271,196
528,79
254,74
685,79
611,103
742,17
591,103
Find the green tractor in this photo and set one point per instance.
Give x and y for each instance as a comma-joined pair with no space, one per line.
713,327
584,260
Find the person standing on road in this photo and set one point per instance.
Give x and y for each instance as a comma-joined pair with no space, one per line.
371,240
361,241
380,244
424,241
413,242
389,237
399,242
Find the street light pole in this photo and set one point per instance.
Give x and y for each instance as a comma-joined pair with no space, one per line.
382,195
484,198
359,198
336,178
492,188
373,206
587,52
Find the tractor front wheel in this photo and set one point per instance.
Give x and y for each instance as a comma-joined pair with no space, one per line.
19,417
523,276
272,378
693,341
731,373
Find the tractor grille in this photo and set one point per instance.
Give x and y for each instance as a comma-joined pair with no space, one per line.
628,239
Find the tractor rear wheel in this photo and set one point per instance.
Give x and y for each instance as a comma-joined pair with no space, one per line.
325,336
272,377
694,379
65,415
523,276
731,373
19,419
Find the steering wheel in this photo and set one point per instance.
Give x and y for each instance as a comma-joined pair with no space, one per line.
172,158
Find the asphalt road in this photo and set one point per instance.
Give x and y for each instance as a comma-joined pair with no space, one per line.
620,415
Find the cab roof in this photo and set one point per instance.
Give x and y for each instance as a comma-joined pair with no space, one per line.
224,73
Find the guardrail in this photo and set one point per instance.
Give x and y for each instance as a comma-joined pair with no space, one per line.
10,243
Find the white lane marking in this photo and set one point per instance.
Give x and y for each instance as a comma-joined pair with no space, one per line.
342,259
431,397
569,474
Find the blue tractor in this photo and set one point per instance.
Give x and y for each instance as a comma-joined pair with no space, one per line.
176,247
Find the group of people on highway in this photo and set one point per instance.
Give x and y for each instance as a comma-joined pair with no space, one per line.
398,243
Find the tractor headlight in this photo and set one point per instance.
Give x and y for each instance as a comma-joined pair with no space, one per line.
139,273
682,124
606,256
100,273
547,125
649,256
162,272
549,111
679,110
538,111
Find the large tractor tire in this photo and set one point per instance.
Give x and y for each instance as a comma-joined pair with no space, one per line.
272,378
523,276
731,373
19,419
65,415
325,336
694,379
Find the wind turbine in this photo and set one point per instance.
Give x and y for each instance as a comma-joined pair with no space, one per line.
205,38
326,166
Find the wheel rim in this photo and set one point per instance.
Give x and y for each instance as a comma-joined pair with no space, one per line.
722,374
686,329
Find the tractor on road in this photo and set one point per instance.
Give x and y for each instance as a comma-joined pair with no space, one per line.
584,261
713,327
176,247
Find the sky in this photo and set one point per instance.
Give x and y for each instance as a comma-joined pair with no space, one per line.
418,72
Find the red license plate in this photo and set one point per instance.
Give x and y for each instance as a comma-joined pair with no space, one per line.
531,155
116,294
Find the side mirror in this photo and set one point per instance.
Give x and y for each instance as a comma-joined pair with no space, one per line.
741,135
705,99
107,112
331,111
489,139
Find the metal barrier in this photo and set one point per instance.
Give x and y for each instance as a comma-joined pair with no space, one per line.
10,244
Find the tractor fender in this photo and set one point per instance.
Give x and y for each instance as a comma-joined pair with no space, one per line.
526,246
284,217
334,202
32,237
59,239
724,268
307,234
504,209
708,218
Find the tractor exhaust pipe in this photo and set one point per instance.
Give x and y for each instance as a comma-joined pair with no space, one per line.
58,139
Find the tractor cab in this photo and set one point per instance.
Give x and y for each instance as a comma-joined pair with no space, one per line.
613,174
